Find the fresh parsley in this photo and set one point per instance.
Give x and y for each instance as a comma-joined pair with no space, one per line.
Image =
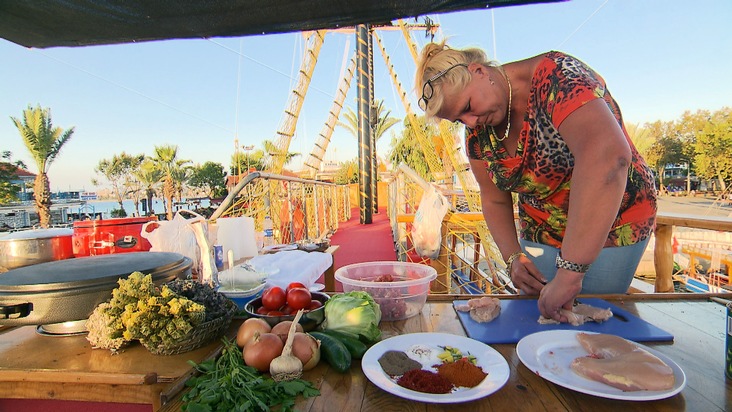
227,384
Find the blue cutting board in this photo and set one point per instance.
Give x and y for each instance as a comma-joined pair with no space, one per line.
519,317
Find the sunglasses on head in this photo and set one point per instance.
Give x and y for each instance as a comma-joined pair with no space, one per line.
428,90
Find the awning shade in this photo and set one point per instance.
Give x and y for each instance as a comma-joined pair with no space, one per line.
51,23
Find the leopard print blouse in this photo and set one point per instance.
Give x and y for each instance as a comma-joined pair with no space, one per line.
541,171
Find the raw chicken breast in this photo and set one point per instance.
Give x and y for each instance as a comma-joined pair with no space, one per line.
580,314
621,364
483,309
605,346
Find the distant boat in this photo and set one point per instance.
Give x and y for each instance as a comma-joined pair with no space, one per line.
700,285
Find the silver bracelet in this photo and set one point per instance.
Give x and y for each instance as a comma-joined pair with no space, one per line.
572,266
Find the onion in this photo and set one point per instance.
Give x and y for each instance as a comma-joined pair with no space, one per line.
283,328
248,328
307,349
260,351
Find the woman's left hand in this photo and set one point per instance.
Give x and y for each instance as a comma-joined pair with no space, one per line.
560,293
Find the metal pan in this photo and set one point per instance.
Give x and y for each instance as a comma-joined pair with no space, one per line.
69,290
30,247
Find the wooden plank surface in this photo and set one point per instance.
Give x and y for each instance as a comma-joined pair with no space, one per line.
697,323
698,350
34,366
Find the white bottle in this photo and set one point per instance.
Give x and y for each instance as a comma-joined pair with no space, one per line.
268,232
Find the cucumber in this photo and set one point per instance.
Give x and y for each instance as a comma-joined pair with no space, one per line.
334,351
355,347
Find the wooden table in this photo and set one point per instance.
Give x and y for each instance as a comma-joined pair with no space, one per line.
697,323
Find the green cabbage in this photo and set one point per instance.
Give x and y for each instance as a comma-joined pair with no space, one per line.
354,313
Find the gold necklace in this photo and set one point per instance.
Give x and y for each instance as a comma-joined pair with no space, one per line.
508,110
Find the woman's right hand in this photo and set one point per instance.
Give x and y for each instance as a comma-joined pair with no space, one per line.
526,276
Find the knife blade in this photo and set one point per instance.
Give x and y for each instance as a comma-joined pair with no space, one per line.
620,317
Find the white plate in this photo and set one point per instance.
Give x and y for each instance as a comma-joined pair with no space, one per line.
279,248
487,358
549,354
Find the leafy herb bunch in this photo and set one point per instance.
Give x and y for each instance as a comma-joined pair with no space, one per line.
227,384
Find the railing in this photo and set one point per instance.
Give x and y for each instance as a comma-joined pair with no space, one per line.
300,209
469,264
663,251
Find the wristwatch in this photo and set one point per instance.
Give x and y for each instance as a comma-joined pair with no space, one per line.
574,267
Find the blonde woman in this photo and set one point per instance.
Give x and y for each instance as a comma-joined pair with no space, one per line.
548,129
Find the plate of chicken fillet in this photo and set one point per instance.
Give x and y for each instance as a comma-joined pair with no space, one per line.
601,364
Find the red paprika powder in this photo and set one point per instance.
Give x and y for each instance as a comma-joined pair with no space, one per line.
421,380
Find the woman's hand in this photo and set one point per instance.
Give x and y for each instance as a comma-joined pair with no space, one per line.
560,293
526,276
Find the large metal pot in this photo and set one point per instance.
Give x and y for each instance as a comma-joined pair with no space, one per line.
29,247
69,290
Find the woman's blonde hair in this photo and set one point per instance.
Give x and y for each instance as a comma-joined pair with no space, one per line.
438,57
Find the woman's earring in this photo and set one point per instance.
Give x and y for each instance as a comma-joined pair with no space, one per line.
490,79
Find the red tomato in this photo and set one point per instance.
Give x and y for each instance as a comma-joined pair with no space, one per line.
287,310
273,298
298,298
314,304
275,313
262,310
295,285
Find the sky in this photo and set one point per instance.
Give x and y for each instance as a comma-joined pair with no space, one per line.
660,58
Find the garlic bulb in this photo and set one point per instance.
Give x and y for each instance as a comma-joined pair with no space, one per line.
287,366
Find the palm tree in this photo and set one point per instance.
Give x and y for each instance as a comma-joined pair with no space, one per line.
271,151
167,163
44,142
148,176
383,122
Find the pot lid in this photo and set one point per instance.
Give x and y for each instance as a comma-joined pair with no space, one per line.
89,271
37,234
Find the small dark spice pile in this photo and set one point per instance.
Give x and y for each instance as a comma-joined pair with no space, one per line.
396,363
425,381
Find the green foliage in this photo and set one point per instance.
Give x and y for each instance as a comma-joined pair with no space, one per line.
44,143
8,190
382,116
347,173
120,173
241,161
227,384
118,212
209,177
173,173
406,149
714,145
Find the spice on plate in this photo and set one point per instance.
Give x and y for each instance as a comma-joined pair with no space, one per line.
396,363
462,373
421,380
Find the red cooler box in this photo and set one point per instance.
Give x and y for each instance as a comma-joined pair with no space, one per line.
106,236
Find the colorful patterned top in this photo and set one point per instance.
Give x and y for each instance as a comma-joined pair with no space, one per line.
541,171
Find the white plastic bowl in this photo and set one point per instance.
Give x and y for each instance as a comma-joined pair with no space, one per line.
242,297
400,288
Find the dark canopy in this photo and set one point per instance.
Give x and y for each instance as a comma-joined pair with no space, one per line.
50,23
